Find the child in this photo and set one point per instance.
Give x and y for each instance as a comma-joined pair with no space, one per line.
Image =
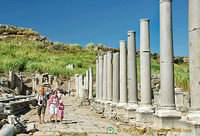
61,110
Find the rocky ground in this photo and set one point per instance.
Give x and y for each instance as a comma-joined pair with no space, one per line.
78,121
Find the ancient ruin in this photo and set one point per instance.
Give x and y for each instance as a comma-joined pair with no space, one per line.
153,106
159,108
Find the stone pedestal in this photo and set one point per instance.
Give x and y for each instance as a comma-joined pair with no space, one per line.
130,112
167,119
84,98
190,124
144,114
121,111
113,111
107,109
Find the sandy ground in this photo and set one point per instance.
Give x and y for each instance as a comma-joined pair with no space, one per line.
78,120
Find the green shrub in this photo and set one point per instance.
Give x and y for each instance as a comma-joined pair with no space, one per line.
178,61
90,45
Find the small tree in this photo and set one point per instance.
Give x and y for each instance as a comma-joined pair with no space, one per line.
90,45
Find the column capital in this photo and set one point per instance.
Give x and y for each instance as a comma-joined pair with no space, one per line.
122,43
165,1
131,31
145,19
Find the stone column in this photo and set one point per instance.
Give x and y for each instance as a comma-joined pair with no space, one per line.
77,84
123,81
145,64
194,52
55,81
146,109
97,79
116,86
192,120
116,78
166,56
109,76
109,84
123,74
132,72
81,86
90,83
11,79
84,82
132,78
104,78
100,77
87,80
167,98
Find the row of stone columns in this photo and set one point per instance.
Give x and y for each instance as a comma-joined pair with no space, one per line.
125,95
120,94
84,88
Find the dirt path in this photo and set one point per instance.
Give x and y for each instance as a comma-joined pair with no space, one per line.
77,119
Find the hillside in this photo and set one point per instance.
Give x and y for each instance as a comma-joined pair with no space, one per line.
21,52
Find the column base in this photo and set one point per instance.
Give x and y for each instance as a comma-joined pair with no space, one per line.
84,102
121,111
97,106
144,113
191,124
130,112
166,119
107,109
113,111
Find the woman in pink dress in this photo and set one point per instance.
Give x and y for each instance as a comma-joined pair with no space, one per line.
61,110
53,106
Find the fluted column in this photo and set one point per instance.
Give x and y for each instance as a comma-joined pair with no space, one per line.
87,80
77,84
90,83
104,78
100,77
81,85
116,77
97,79
109,76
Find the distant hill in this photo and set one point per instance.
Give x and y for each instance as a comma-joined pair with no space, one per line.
8,30
24,50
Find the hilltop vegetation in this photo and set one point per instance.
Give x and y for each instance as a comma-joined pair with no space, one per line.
19,53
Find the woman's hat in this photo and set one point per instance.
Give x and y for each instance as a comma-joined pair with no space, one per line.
42,90
60,101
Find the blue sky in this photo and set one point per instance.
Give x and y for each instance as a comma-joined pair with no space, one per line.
97,21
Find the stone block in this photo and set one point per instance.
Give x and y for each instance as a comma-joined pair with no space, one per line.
31,128
167,119
121,112
189,128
